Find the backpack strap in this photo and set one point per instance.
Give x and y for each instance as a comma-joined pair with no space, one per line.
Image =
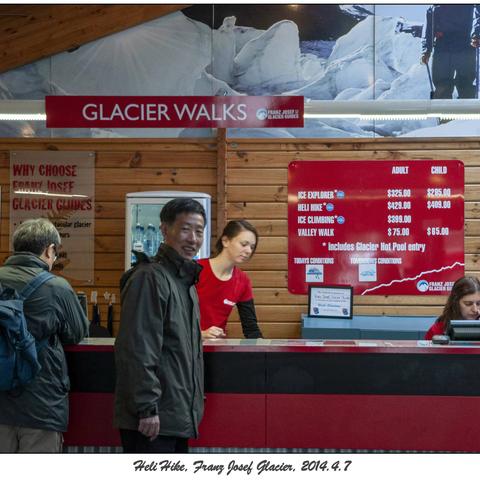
41,344
33,284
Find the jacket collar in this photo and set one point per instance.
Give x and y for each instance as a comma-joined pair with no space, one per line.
26,259
183,268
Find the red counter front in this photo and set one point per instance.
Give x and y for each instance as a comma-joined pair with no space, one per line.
373,395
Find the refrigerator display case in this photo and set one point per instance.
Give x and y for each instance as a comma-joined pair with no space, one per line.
142,232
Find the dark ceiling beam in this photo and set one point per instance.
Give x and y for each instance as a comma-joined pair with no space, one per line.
31,32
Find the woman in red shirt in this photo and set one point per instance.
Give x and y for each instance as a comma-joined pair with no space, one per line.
222,285
463,303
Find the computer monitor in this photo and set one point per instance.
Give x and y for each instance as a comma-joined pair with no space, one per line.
464,330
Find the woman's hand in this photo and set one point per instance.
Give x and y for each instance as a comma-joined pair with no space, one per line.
213,332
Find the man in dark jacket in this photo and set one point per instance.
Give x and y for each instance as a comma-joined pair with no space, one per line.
33,418
158,350
452,32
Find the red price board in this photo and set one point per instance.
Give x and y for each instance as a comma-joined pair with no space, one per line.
386,228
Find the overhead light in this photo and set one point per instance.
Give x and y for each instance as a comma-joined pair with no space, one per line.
445,109
22,110
23,116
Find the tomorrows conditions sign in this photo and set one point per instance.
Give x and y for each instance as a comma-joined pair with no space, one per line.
173,112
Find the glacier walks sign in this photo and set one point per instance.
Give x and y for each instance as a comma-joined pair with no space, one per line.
174,112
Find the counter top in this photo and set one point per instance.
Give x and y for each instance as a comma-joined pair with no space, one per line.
309,346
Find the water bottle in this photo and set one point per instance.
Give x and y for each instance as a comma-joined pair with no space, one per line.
138,238
133,259
150,241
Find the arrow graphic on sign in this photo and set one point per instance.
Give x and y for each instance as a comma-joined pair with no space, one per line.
456,264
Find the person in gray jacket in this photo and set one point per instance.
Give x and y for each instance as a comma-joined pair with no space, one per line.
32,419
158,349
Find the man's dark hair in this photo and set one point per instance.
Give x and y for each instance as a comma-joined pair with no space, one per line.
35,236
177,206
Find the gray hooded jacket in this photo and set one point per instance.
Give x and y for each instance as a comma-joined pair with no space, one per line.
158,349
54,312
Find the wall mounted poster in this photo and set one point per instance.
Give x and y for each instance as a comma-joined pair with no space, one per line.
330,52
59,186
384,227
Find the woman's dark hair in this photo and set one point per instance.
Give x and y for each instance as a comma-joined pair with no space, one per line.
232,229
463,286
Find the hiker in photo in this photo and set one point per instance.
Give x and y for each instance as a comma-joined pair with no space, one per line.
33,400
452,33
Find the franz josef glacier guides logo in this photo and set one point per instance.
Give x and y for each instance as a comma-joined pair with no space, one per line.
262,114
422,285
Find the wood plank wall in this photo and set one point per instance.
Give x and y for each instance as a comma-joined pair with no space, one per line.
121,167
256,189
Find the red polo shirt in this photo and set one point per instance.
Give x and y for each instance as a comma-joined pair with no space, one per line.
218,297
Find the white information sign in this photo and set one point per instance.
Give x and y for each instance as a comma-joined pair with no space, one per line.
330,301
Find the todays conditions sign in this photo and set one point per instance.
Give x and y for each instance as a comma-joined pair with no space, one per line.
173,112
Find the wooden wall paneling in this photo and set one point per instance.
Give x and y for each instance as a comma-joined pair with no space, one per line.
274,228
268,261
162,177
159,164
32,32
253,210
267,278
255,188
172,145
271,245
259,176
221,180
329,144
116,210
268,193
471,159
167,159
103,194
472,244
472,227
269,330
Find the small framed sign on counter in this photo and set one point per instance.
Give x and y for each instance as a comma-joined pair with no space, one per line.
330,301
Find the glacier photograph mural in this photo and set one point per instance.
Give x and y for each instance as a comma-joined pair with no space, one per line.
322,52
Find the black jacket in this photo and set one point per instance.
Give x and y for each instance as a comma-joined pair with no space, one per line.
54,312
158,349
450,27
